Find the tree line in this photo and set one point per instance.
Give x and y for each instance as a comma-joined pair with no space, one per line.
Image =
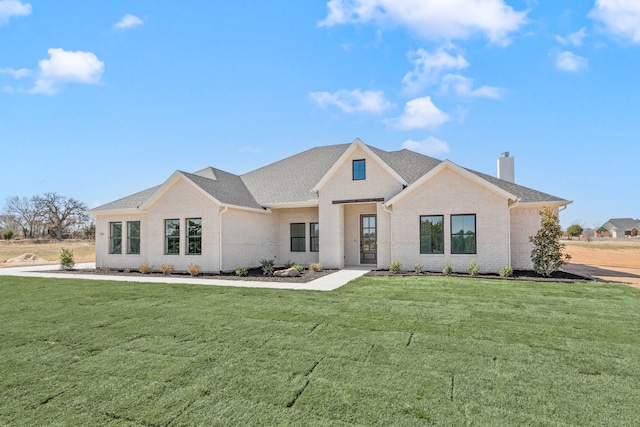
49,215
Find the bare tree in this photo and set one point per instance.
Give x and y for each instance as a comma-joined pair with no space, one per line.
24,212
61,213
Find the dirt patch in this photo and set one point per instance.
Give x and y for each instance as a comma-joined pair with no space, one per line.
25,259
610,260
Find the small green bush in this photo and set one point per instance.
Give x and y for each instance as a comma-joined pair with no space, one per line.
8,234
267,266
242,272
395,267
473,269
66,259
506,272
298,267
418,268
447,270
166,269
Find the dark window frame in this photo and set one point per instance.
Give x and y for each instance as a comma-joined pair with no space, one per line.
194,240
314,237
115,242
172,238
133,242
359,173
297,240
464,241
432,239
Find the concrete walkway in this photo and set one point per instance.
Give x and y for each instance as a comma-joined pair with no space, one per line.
326,283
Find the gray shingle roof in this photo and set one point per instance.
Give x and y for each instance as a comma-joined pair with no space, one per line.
291,180
626,224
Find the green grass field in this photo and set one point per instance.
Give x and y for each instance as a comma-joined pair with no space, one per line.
379,351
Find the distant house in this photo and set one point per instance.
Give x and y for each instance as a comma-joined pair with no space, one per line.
339,205
619,227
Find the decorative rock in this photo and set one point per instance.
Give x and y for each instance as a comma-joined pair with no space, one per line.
289,272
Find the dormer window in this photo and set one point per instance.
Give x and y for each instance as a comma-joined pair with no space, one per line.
359,170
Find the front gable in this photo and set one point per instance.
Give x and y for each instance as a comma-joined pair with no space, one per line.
357,151
462,174
182,182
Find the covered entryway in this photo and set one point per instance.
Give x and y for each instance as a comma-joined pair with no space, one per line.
368,239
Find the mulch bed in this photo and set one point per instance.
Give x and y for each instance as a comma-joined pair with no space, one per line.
530,275
255,274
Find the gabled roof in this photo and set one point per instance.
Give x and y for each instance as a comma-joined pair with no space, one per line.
626,224
289,182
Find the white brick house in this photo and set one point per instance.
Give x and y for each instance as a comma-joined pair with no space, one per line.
339,205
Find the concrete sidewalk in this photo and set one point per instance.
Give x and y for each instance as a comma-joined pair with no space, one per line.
326,283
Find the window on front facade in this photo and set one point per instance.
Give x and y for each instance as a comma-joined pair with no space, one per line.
115,237
431,234
194,236
297,237
172,236
133,237
359,170
314,237
463,234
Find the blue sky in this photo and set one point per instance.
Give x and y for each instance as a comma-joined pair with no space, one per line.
99,100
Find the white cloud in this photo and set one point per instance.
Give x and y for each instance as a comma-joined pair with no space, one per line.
430,146
67,67
9,8
16,74
428,68
463,86
569,61
128,21
355,101
574,39
621,17
432,19
419,113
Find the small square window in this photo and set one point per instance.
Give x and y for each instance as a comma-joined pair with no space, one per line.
359,170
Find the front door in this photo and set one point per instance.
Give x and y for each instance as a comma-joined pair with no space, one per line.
368,242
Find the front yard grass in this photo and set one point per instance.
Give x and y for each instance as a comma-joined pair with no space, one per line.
379,351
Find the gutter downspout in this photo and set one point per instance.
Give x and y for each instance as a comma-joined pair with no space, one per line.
220,237
516,203
390,212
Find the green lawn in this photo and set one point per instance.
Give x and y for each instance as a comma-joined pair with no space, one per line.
379,351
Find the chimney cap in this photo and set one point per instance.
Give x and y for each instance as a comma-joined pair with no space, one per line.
505,154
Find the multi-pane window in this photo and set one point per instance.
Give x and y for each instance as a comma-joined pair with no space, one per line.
172,236
431,234
115,237
314,237
463,234
359,170
194,236
297,237
133,237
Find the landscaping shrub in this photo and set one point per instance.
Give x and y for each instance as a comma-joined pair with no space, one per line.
145,268
473,269
267,267
298,267
193,269
447,270
8,234
506,272
418,268
315,266
548,253
395,267
242,272
66,259
289,264
166,269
